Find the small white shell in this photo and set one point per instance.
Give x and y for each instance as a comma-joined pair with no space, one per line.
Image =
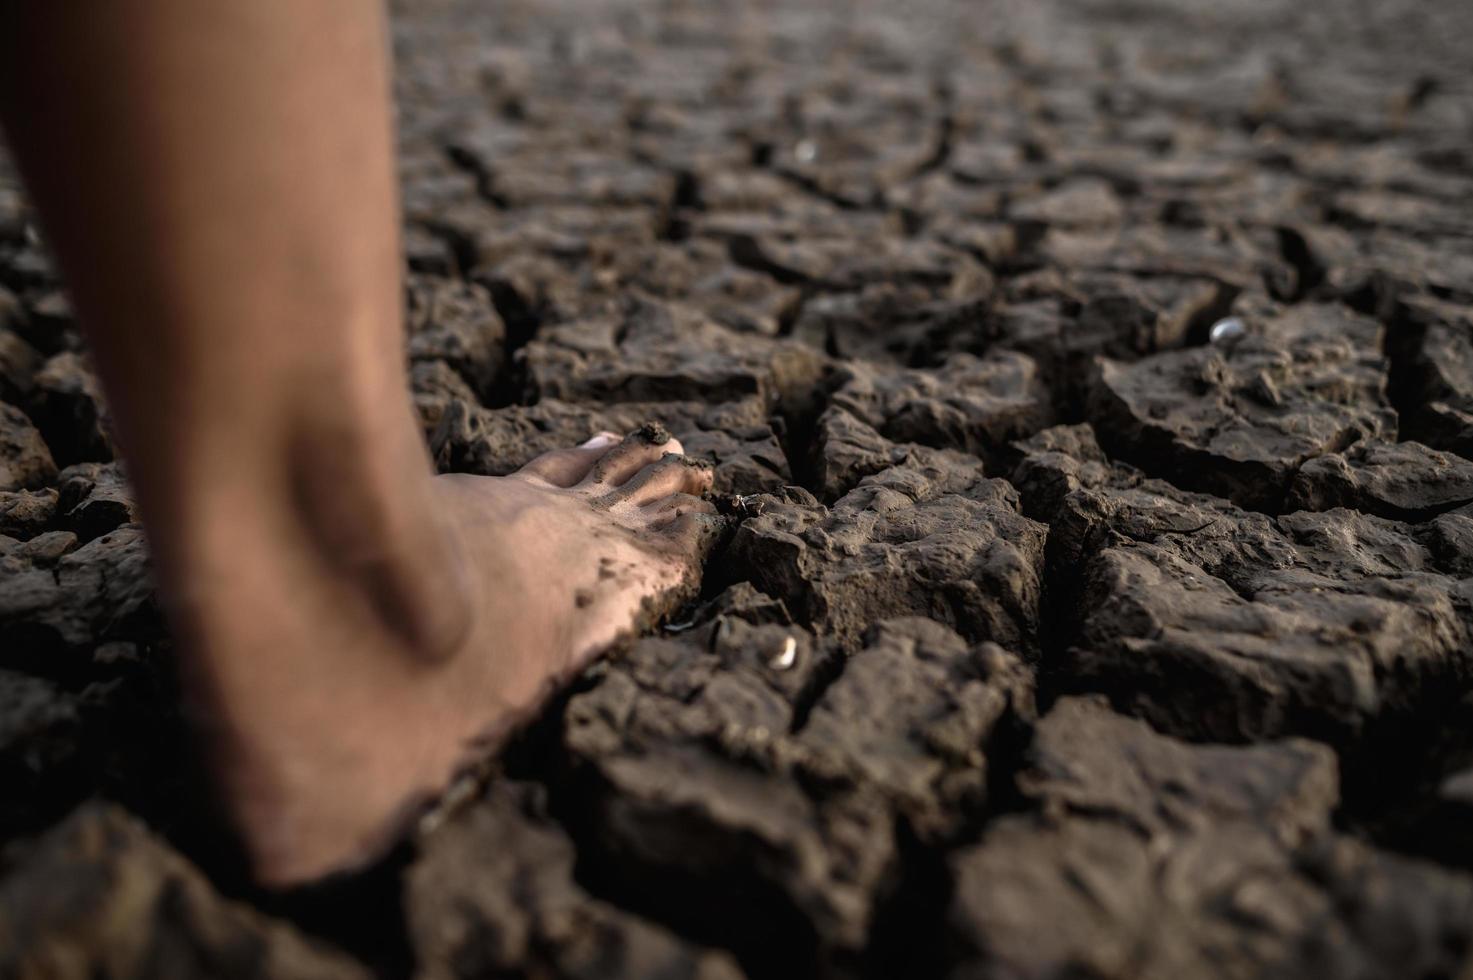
1226,333
788,657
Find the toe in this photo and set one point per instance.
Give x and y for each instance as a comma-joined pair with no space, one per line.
567,467
691,533
639,449
672,474
663,512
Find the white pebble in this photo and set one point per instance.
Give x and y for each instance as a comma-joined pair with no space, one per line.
1226,333
806,151
788,657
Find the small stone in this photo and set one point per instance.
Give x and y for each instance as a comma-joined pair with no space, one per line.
806,151
1228,332
789,656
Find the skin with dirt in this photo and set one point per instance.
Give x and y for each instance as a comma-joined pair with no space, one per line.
1041,634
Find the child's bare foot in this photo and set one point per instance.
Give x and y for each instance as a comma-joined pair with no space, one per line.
329,727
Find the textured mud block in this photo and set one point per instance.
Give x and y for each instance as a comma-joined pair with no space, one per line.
456,324
25,513
19,362
912,714
932,538
68,408
41,730
658,352
1239,874
25,460
1240,422
95,499
1436,347
747,753
975,405
100,896
846,450
1223,623
699,274
494,892
1402,481
101,589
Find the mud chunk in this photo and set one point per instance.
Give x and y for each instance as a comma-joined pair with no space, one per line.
1080,202
428,253
95,499
719,720
456,323
1140,248
1436,346
534,177
19,362
652,433
494,891
864,149
50,324
791,778
884,322
68,408
911,714
975,405
25,460
434,385
1054,464
40,736
1219,623
44,549
699,274
653,352
847,450
144,912
1241,423
1094,878
101,590
1064,321
930,538
1239,874
851,261
24,513
1401,481
547,264
1087,760
1126,316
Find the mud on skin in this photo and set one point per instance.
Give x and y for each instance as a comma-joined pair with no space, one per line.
1039,636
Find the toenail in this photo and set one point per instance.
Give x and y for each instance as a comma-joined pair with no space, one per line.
599,441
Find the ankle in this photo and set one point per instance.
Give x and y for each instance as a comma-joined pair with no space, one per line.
330,494
361,494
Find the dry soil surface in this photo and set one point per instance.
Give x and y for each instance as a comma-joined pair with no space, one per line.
1048,638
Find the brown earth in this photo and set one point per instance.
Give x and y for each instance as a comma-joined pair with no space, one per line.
1048,638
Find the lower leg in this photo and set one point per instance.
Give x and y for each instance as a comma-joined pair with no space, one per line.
217,180
221,197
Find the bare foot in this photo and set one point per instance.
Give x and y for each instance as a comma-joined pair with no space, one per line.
322,751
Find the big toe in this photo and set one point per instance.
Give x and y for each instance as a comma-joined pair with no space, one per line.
568,467
640,448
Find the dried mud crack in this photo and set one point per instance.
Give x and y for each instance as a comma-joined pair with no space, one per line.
1046,638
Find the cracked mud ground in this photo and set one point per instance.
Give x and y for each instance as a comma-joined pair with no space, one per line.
1047,639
